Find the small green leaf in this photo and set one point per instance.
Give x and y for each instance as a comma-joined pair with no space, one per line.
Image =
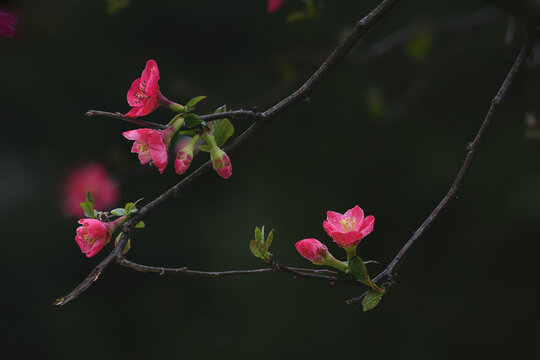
204,148
259,235
194,101
257,248
358,269
119,212
89,197
223,131
269,239
371,300
192,120
140,225
221,109
419,47
88,209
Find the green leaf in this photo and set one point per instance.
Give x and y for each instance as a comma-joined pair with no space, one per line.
140,225
89,197
376,102
258,249
223,131
259,235
194,101
204,148
119,212
371,300
269,239
192,120
88,209
113,6
296,16
221,109
358,269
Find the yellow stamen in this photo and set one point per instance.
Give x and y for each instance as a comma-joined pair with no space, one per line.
348,224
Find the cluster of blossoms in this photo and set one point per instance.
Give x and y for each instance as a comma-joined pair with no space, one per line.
7,22
152,145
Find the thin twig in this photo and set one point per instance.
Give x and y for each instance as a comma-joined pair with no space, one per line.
186,271
388,274
361,28
234,115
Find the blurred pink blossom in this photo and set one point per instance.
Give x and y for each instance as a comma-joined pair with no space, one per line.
273,5
91,177
7,20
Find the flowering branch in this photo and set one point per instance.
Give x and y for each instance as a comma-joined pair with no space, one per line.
146,97
386,277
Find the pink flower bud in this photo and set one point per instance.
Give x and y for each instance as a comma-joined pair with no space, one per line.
221,163
92,177
348,229
313,250
93,235
7,21
182,162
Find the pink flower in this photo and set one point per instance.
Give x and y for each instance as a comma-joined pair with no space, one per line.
7,21
93,235
144,95
221,163
92,177
348,229
151,145
273,5
313,250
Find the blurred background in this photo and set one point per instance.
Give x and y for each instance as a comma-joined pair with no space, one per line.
387,130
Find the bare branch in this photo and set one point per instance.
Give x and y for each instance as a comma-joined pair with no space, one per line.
186,271
388,274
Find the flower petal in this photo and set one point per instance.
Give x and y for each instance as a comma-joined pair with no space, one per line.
367,225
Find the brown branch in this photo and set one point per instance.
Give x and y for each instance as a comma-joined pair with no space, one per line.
233,115
186,271
386,277
361,28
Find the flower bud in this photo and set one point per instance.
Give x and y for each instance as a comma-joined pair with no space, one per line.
313,250
185,156
220,161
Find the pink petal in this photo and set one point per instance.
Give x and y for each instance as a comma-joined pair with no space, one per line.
152,83
132,99
357,213
333,217
151,105
328,227
133,112
138,135
367,225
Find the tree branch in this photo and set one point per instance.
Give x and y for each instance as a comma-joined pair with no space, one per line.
361,28
388,274
186,271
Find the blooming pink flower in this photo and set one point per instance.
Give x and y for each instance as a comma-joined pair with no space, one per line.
273,5
313,250
93,235
92,177
144,95
7,21
151,145
348,229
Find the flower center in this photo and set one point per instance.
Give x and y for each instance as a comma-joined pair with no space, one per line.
143,147
88,239
348,224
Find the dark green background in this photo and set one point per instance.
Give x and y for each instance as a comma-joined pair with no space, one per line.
469,288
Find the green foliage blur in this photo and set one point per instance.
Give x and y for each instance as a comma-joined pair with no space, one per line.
388,133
